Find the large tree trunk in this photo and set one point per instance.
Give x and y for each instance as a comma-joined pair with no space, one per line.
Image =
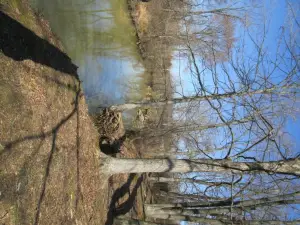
204,220
157,104
163,212
186,212
190,197
176,128
114,165
186,180
275,200
199,209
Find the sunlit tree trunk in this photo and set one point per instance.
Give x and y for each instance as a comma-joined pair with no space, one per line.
187,180
202,220
119,165
190,127
175,208
160,103
195,212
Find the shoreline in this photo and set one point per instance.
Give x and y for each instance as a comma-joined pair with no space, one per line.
49,148
131,11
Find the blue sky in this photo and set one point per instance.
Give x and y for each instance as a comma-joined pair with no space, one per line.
275,13
271,15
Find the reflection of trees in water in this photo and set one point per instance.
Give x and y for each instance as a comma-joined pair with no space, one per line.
98,28
117,38
112,33
137,87
100,37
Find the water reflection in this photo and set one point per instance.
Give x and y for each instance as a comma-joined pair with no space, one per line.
100,38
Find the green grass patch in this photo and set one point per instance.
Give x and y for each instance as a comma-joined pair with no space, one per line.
20,10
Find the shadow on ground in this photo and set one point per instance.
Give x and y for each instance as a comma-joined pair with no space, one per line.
20,43
126,206
8,193
48,145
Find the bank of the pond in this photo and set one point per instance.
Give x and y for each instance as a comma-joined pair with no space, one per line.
49,155
152,22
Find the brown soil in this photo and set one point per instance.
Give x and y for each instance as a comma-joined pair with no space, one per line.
49,154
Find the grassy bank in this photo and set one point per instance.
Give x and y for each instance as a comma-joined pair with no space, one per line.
49,155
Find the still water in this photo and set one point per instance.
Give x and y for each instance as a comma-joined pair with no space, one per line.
99,37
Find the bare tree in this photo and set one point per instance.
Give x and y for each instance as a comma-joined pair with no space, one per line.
225,211
248,100
119,165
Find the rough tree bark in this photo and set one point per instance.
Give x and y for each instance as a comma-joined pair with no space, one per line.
160,103
176,208
202,220
176,128
197,212
187,180
117,165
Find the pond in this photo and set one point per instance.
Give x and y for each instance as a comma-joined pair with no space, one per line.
100,38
